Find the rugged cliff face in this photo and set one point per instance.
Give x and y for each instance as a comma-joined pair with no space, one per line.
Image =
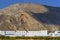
30,17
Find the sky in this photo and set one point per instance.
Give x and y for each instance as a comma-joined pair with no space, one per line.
5,3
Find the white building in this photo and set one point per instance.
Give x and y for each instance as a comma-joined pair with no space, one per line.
57,33
24,33
20,33
9,33
37,33
51,34
2,33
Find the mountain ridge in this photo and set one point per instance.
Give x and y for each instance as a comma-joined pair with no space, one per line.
30,17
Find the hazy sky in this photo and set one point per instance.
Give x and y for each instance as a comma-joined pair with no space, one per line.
4,3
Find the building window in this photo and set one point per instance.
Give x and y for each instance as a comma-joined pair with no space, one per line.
58,32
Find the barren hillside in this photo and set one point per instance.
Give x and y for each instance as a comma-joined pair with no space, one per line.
30,17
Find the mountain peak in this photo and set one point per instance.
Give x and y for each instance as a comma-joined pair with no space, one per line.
28,7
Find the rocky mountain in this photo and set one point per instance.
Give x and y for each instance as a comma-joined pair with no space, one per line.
30,17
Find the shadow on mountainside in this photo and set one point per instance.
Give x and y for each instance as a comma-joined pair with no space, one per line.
51,17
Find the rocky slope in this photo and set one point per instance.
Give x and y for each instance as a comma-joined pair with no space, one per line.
30,17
